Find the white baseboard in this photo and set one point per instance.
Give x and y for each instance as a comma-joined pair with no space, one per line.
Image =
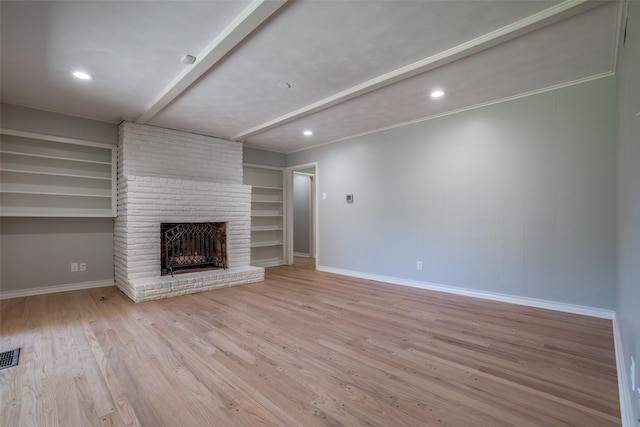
303,255
624,388
56,288
531,302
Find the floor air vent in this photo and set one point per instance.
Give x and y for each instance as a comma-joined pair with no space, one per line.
9,358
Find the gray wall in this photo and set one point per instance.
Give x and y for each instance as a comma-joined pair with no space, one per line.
517,198
30,120
628,309
301,214
263,157
37,252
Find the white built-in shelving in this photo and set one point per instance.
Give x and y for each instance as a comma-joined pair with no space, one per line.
267,214
51,176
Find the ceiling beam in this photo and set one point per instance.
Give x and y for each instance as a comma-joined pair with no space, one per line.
532,23
243,25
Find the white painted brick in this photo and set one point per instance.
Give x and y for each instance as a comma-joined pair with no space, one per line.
172,176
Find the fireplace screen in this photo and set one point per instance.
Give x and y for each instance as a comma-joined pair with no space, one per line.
193,246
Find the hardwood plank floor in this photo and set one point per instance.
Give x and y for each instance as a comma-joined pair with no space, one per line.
303,348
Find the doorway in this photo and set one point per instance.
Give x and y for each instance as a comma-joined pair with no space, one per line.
302,222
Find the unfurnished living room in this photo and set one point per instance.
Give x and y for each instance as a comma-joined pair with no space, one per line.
320,213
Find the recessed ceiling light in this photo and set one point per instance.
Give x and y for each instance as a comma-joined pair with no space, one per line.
284,85
82,75
437,93
308,132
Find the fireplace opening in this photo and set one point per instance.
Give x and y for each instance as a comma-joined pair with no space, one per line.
193,246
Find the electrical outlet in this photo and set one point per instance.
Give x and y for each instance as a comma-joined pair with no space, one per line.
83,266
419,265
74,267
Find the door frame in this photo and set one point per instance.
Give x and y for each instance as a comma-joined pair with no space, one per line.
315,225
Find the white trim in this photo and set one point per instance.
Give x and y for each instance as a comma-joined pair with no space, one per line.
301,255
460,110
316,214
624,388
258,165
54,138
54,289
512,299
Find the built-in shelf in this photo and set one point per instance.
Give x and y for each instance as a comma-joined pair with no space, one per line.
262,187
42,193
269,262
267,214
265,228
41,156
45,175
56,174
265,244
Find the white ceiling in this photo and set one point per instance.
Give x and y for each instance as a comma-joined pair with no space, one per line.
354,66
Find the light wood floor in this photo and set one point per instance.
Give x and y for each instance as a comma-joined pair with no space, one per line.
303,348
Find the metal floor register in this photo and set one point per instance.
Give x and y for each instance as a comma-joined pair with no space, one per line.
9,358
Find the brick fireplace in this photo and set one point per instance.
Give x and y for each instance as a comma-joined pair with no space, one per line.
167,176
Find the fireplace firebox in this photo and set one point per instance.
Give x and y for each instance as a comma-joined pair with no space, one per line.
193,246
